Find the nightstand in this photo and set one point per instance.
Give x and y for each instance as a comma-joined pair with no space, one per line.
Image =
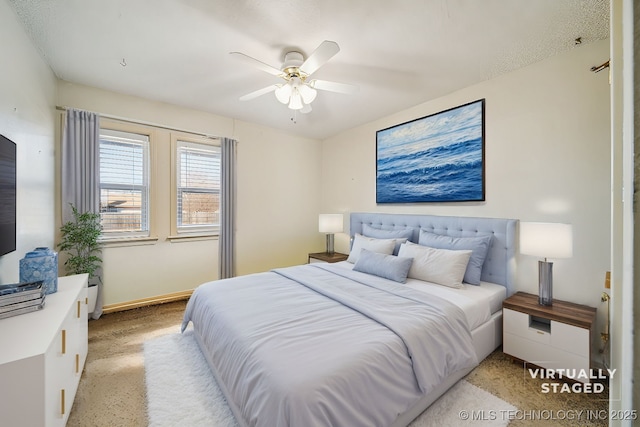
553,337
326,257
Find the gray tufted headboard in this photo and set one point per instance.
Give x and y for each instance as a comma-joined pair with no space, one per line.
499,266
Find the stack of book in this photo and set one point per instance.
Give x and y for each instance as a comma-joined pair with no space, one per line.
20,298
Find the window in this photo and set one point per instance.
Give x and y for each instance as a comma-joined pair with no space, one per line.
124,184
197,177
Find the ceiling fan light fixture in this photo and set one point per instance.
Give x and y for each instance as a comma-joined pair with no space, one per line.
295,93
299,90
296,101
283,93
308,93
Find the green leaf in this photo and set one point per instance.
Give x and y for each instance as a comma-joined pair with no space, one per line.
80,241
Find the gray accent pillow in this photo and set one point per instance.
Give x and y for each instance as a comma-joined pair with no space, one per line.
479,247
387,266
401,234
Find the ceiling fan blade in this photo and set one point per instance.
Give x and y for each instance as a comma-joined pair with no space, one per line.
259,92
333,86
320,56
258,64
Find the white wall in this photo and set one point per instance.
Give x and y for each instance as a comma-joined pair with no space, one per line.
278,201
278,187
27,97
547,159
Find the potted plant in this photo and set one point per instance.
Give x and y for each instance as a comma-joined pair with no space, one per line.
80,242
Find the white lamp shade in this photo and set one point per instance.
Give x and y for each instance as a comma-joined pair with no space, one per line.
330,223
548,240
296,100
283,93
307,93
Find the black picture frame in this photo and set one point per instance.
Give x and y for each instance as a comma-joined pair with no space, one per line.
436,158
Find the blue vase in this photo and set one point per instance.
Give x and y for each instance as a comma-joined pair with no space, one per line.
40,264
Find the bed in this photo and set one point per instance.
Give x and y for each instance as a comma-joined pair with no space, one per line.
345,345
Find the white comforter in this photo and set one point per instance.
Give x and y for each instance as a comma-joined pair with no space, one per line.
318,345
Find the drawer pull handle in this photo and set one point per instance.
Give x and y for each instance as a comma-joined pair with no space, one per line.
77,363
540,332
62,402
64,341
78,309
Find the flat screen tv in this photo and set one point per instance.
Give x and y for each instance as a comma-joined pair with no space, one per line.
7,196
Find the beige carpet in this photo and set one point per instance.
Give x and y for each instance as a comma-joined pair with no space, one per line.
112,389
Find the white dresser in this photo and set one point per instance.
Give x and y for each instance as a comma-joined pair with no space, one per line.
42,355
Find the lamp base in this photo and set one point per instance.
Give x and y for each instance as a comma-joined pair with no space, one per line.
545,283
330,250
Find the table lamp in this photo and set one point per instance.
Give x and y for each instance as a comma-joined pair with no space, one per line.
330,223
547,240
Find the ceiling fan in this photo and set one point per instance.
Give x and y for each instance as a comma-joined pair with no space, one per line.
298,90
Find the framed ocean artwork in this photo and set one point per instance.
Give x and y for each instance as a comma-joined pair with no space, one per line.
437,158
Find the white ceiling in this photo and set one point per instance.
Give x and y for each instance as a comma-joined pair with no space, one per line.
400,53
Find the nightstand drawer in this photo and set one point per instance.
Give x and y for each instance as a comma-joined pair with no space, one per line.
545,356
570,338
526,326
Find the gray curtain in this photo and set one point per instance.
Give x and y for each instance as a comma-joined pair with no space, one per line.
80,171
226,242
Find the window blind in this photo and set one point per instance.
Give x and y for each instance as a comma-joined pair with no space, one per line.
198,186
124,183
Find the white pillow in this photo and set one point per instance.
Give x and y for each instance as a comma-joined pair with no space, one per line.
442,266
479,246
381,246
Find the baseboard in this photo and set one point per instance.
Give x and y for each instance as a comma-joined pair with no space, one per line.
144,302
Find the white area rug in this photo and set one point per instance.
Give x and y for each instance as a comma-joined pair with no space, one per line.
181,391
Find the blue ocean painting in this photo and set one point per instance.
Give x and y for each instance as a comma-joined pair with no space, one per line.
438,158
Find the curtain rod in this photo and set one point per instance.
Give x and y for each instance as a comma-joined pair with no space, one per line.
140,122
